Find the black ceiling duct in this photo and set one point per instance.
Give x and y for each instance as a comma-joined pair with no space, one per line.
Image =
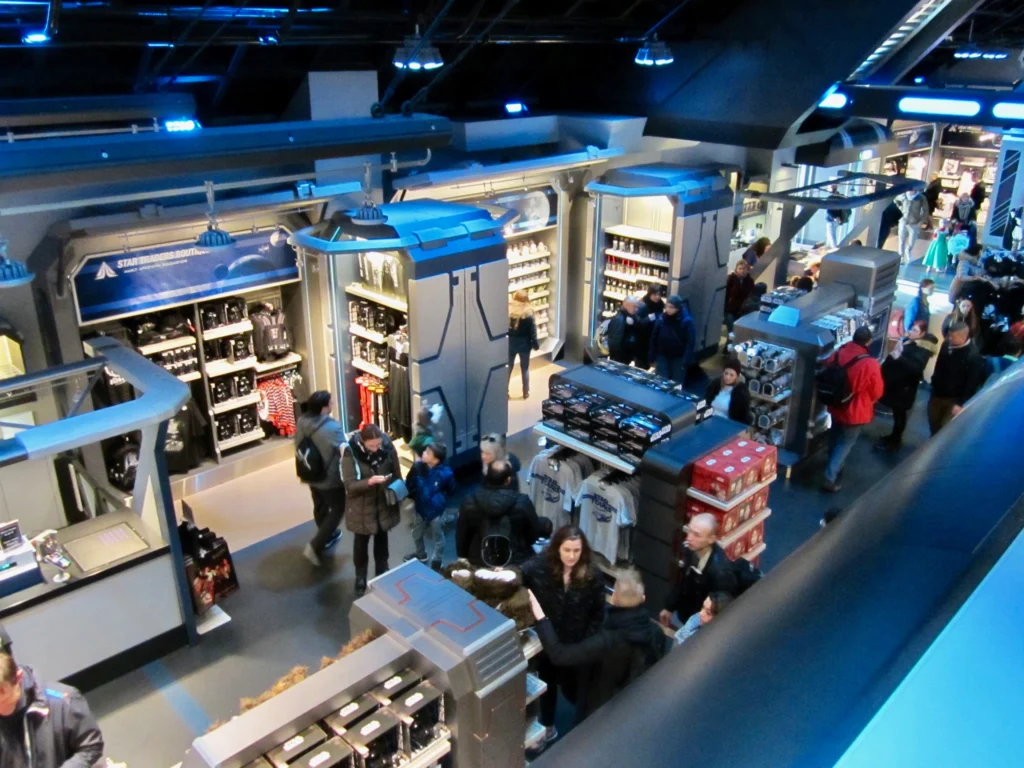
857,140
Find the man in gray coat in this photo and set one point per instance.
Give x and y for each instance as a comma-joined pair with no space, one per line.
329,493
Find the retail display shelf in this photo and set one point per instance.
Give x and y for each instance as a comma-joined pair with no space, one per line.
635,257
370,368
539,307
514,235
211,620
531,643
725,506
538,254
539,295
535,688
634,278
640,233
187,377
755,552
534,734
742,530
586,449
168,345
366,333
529,284
774,399
223,367
542,336
243,439
288,361
228,330
365,293
616,296
429,756
609,313
236,402
513,274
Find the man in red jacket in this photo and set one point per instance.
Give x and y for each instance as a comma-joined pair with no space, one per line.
849,418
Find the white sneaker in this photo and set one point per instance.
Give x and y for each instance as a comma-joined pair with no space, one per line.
310,555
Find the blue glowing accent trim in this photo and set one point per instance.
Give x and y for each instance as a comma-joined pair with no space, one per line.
515,108
834,100
181,125
918,80
35,38
159,45
1009,110
921,105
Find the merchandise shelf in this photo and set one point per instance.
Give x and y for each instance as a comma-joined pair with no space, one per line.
535,688
167,346
613,295
236,402
534,733
542,336
216,368
634,278
529,284
228,330
539,295
755,552
585,448
366,333
243,439
775,399
430,756
636,257
539,307
525,232
539,254
725,506
742,530
640,233
187,377
370,368
531,643
609,313
513,274
365,293
289,360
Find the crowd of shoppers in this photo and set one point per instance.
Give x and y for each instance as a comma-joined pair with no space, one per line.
653,332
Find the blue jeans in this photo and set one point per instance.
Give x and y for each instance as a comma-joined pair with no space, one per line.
419,529
671,368
841,439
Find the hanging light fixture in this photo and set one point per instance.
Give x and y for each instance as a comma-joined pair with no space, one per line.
213,239
368,214
12,273
654,53
417,54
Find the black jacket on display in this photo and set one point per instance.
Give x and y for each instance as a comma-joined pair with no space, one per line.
959,373
719,575
482,513
903,375
673,336
624,335
739,403
55,723
626,646
577,611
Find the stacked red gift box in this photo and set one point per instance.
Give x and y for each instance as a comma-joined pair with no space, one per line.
732,484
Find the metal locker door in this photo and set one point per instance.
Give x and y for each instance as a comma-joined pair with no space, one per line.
487,349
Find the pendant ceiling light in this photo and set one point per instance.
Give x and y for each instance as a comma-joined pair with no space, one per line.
654,53
368,214
417,54
12,273
213,238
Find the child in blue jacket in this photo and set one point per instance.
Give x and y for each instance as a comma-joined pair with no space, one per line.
430,483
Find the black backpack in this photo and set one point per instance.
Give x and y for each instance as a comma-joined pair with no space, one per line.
309,464
270,336
746,575
833,382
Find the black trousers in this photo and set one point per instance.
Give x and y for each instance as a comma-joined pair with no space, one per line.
899,425
361,550
328,510
524,367
564,678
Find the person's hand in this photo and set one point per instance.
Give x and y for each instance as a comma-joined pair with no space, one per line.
538,612
665,617
377,480
957,409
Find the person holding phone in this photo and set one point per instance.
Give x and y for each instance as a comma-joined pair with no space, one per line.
369,463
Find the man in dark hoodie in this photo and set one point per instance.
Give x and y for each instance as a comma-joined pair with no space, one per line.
902,372
43,725
627,644
328,492
672,341
495,508
959,373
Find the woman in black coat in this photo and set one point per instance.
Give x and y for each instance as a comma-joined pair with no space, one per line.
522,337
735,402
569,589
902,372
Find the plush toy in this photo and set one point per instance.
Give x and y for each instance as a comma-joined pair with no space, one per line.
502,589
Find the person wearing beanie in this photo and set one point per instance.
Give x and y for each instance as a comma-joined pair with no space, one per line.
672,341
729,396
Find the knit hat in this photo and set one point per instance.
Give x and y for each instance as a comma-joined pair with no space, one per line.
676,301
734,365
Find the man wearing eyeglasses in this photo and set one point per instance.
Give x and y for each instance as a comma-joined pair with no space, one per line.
704,568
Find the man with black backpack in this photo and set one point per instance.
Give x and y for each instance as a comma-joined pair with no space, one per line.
318,441
497,509
850,383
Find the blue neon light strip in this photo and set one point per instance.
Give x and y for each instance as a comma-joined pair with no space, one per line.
1009,110
834,100
922,105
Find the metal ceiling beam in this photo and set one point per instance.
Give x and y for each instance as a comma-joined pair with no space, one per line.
883,103
27,113
903,61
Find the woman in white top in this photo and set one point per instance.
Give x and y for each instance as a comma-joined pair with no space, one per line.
729,395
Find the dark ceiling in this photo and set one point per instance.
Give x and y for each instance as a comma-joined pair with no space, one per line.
111,47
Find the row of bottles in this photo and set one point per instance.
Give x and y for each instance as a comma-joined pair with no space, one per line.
638,269
620,287
522,250
627,245
533,267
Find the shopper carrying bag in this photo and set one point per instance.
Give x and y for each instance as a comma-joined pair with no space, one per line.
318,440
369,465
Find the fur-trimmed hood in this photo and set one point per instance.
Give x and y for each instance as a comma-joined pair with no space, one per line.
517,310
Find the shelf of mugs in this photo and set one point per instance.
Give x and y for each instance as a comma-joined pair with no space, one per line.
357,289
774,399
538,295
223,367
725,506
239,440
512,288
370,368
755,552
522,258
288,361
228,330
539,307
640,233
514,273
619,254
167,346
744,528
634,278
236,402
365,333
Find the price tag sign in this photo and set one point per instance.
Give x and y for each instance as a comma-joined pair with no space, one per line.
10,535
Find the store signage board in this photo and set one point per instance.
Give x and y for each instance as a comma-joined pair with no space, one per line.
537,208
10,536
914,139
114,285
968,137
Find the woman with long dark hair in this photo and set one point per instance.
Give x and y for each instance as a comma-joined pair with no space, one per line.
568,587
